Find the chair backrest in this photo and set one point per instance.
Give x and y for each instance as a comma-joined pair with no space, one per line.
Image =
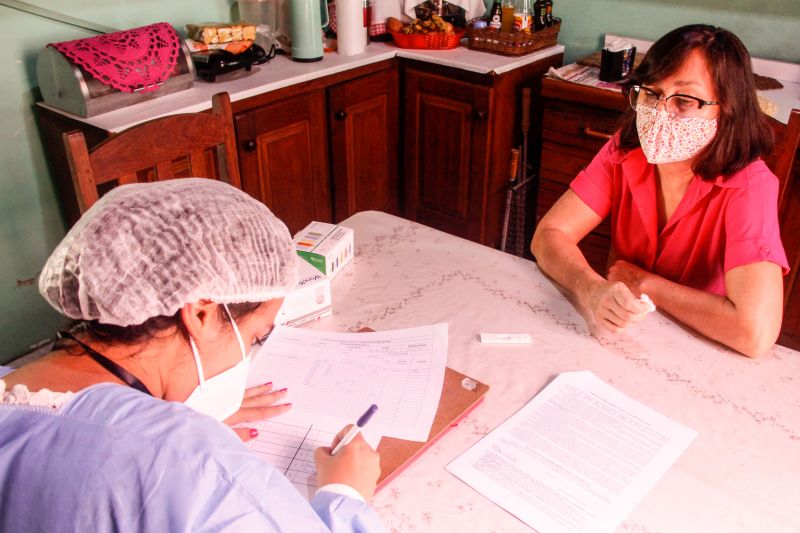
190,144
780,160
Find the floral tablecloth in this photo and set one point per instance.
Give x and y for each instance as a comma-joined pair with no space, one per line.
741,473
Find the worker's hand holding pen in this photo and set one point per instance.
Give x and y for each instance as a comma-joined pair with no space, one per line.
354,462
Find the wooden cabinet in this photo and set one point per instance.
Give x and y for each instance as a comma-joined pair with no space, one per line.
318,150
459,130
326,148
364,128
329,147
576,123
323,150
283,158
446,148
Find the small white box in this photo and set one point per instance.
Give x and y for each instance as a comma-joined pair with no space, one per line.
327,247
309,300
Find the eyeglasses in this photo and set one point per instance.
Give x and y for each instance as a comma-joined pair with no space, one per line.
680,105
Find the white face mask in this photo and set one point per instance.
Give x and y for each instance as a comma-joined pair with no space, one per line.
222,395
666,138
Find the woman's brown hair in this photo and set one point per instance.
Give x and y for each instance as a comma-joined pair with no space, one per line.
743,133
152,327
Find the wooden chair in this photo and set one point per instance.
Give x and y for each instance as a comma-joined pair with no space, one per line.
787,137
190,144
781,162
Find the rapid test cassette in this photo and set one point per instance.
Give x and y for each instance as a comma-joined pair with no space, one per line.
505,338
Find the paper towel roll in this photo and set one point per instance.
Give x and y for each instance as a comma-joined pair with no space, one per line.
351,33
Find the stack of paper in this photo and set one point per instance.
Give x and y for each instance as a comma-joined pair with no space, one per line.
333,377
576,458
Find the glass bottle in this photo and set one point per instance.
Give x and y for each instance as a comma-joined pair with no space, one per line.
539,15
495,15
523,15
508,16
548,4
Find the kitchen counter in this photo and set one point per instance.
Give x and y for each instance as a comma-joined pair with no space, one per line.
282,72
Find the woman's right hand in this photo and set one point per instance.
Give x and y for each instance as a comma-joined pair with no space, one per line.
614,307
356,465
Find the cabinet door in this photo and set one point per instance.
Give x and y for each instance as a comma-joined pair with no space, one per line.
363,119
446,149
283,158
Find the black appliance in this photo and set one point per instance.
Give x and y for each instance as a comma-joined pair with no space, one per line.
211,63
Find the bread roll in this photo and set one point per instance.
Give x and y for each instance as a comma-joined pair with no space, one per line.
220,32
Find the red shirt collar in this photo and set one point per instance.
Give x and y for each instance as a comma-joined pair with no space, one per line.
641,176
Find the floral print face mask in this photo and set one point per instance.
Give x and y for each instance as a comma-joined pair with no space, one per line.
666,138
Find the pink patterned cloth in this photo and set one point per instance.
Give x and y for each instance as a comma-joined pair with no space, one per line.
129,60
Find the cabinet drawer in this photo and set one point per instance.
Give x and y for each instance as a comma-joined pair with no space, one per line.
585,129
561,163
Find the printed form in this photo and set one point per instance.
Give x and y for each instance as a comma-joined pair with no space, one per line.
290,448
332,378
577,458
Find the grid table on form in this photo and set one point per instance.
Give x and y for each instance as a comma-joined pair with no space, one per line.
332,377
290,449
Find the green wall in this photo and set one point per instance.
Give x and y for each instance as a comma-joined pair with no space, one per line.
770,29
30,220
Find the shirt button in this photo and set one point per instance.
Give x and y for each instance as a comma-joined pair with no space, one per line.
765,249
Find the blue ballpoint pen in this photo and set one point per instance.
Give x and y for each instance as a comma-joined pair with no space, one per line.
355,430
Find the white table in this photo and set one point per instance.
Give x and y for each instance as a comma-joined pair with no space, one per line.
741,473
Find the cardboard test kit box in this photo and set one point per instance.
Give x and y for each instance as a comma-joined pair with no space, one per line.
327,247
309,300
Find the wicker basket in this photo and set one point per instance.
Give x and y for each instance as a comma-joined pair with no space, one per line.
515,43
428,41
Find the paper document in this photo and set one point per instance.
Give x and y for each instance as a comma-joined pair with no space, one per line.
583,75
333,377
577,458
291,448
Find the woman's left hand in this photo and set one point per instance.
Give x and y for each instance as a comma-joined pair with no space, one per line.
259,403
629,274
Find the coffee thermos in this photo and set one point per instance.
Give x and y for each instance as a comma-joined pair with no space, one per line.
307,18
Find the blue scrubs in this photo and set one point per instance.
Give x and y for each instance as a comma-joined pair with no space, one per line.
114,459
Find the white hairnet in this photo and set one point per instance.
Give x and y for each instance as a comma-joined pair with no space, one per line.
147,249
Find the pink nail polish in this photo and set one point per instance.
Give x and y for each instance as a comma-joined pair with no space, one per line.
283,389
253,433
268,384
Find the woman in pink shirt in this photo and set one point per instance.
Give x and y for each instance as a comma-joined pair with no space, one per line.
693,208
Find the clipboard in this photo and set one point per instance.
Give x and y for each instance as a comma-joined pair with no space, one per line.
455,403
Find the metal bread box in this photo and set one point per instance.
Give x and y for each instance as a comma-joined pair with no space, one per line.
67,86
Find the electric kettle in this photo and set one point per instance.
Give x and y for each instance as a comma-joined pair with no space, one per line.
308,17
